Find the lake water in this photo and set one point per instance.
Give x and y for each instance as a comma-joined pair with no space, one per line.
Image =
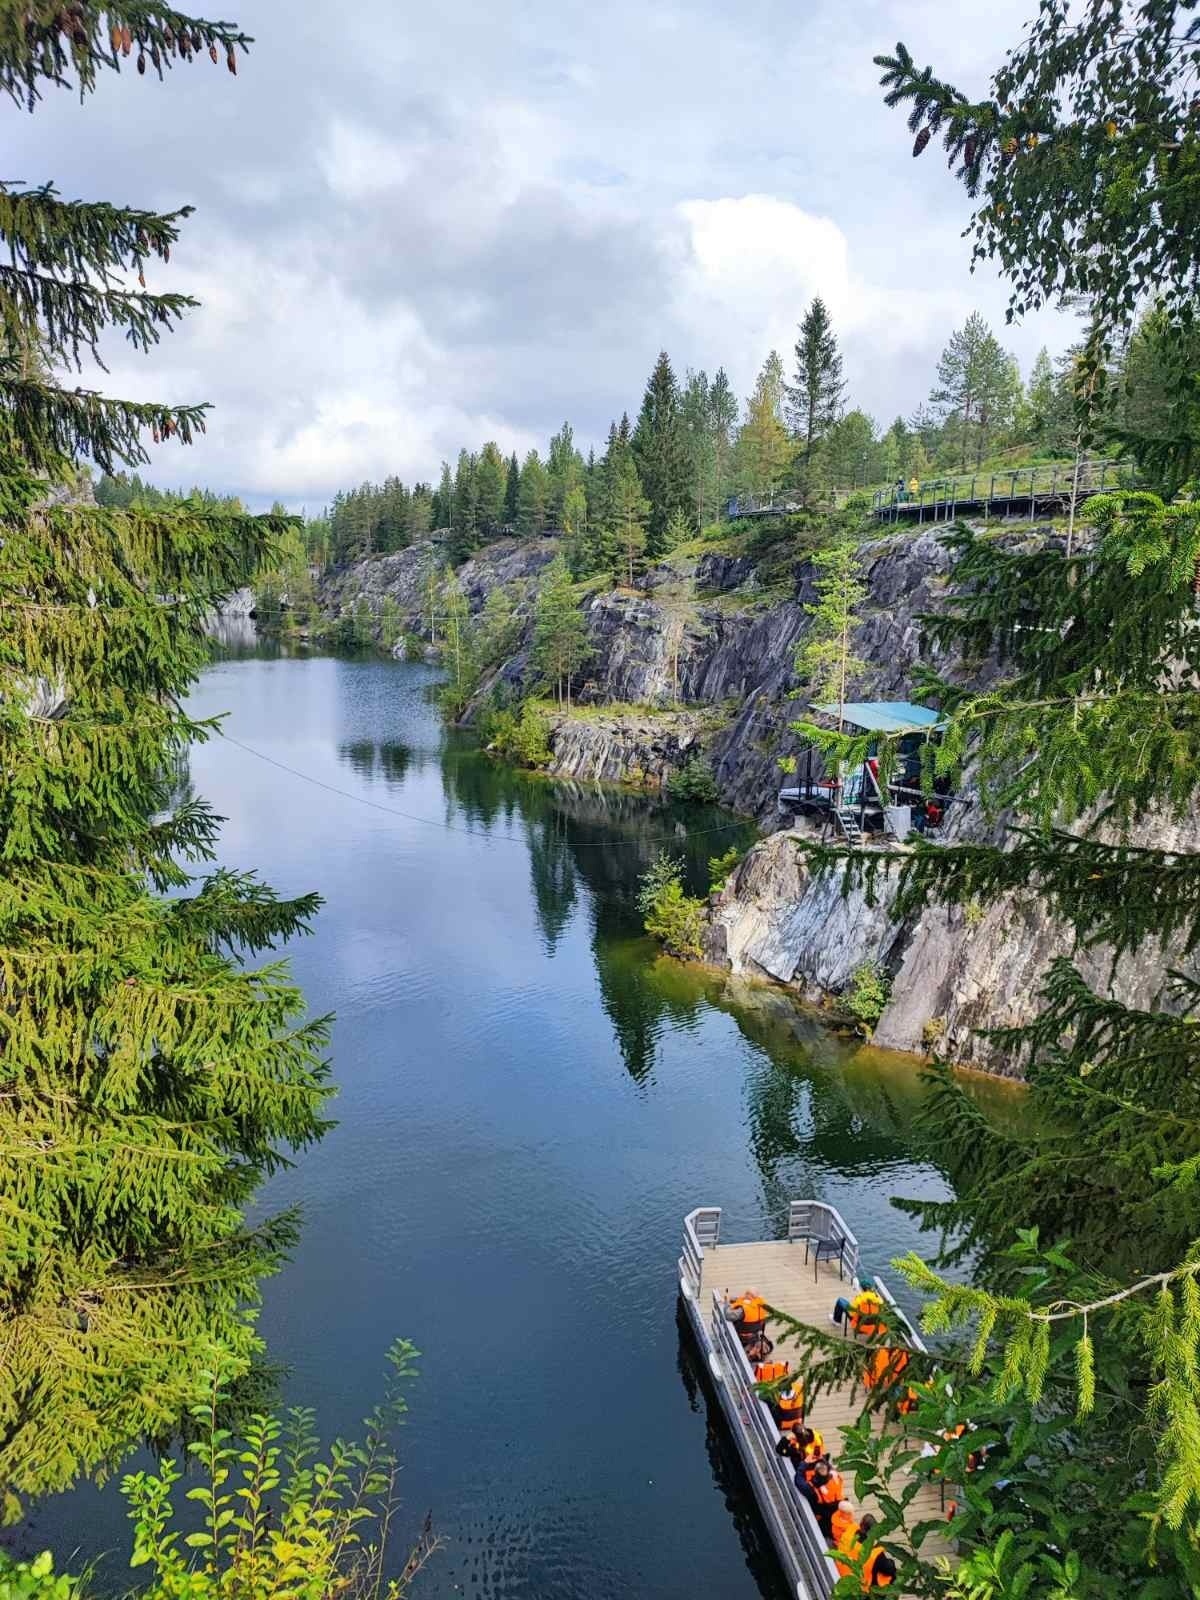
529,1101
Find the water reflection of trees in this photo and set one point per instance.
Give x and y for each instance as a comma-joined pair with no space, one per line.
376,758
604,840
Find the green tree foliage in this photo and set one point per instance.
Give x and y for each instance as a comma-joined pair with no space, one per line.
825,661
629,512
977,391
1084,158
1157,406
464,512
763,451
661,452
560,634
564,469
533,495
151,1077
519,735
1086,1340
442,509
817,391
512,492
669,913
577,547
491,476
850,456
693,782
377,519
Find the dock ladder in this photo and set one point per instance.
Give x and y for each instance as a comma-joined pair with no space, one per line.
848,822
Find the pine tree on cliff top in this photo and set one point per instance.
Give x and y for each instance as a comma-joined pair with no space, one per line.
148,1080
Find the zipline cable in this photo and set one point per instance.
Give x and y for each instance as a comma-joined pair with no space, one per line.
471,833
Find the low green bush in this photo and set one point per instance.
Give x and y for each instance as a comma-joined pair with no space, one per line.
669,914
520,734
720,867
693,782
279,1521
867,995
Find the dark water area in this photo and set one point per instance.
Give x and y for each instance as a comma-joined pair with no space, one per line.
530,1099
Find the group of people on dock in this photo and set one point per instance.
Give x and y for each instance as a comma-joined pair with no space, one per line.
817,1480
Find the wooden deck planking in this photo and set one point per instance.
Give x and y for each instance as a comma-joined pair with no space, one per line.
776,1270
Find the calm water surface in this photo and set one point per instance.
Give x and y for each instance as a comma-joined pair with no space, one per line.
529,1101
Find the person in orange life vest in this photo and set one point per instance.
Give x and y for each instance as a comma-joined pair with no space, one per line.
749,1312
848,1536
885,1368
789,1407
803,1446
879,1570
862,1313
824,1490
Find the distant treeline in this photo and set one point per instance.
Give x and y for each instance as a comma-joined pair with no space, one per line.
663,478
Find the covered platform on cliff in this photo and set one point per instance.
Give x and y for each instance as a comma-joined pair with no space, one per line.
859,802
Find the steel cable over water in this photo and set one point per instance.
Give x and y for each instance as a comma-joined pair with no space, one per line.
472,833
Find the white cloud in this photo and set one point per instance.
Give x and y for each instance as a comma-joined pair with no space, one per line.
414,237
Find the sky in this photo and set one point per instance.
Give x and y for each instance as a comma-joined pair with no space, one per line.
419,227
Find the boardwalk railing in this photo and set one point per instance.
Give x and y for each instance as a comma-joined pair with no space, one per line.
701,1230
795,1530
1033,488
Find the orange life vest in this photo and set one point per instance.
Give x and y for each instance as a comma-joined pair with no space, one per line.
870,1581
753,1309
886,1366
866,1314
844,1530
831,1491
770,1371
909,1403
790,1405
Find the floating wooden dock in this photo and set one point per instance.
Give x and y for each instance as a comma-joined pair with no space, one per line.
790,1277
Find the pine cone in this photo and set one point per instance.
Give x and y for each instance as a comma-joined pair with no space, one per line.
115,37
141,61
969,150
212,50
920,141
231,61
126,41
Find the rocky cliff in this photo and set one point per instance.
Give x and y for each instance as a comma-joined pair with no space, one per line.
701,662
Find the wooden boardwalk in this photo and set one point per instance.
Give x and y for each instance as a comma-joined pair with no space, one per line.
776,1270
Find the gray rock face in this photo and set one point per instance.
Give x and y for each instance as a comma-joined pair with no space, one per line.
405,578
625,748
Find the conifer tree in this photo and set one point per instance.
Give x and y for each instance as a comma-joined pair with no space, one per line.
533,495
151,1079
763,451
723,415
560,636
815,395
576,544
512,491
443,499
630,512
976,389
464,511
660,450
564,469
490,477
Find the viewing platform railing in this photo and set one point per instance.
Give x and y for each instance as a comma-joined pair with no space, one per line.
1037,489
